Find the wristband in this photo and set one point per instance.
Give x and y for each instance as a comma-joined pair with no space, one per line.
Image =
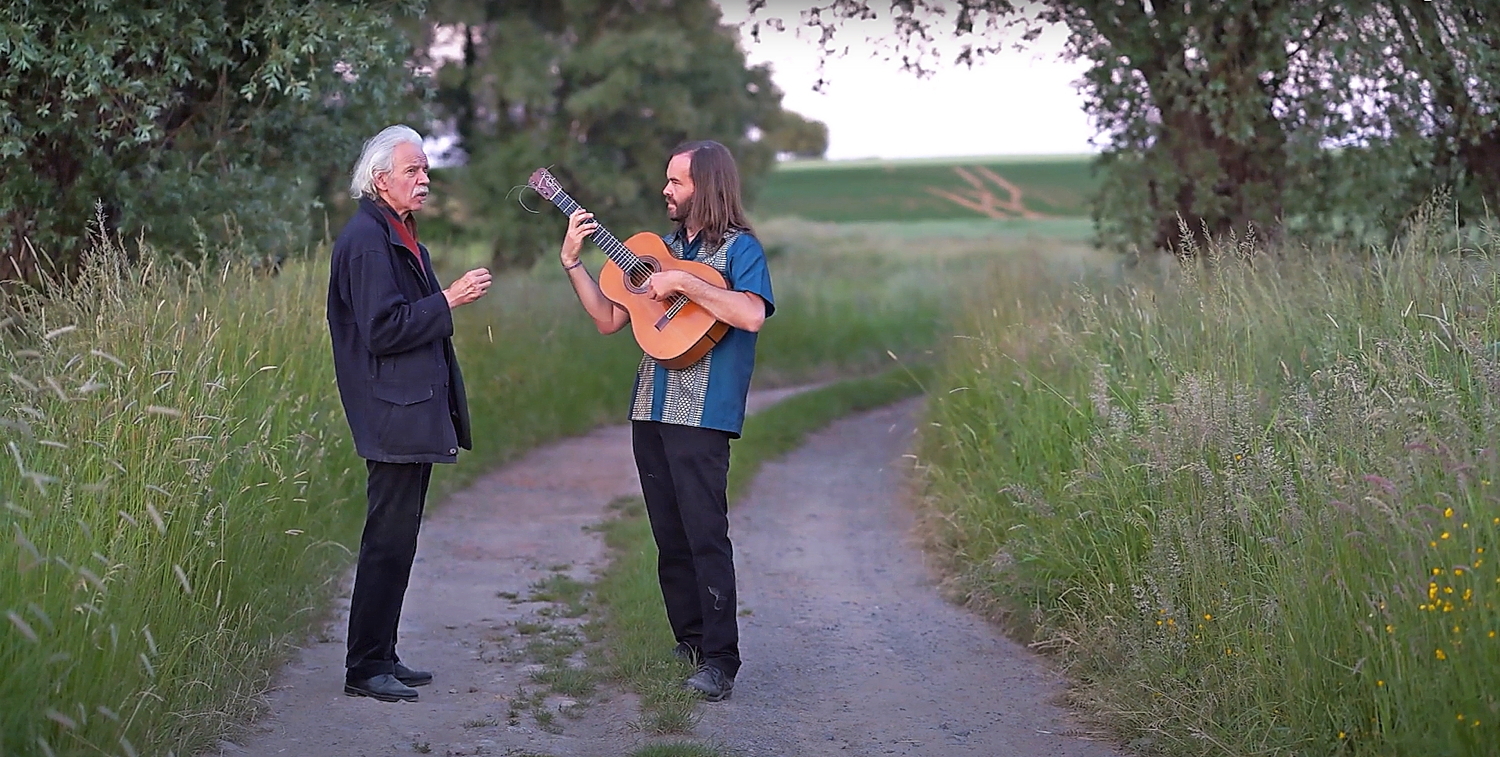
576,263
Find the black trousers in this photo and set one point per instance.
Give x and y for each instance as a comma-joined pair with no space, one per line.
684,474
396,493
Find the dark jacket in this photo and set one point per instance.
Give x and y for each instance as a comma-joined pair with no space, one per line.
392,346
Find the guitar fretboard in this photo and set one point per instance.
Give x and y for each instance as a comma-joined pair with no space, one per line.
614,248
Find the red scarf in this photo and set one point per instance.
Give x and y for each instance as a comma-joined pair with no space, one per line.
407,233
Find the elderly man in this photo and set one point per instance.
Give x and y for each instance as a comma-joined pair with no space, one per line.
392,326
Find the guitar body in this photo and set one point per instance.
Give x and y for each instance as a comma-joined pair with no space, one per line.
675,341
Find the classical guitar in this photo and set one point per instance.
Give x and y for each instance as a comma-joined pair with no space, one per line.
677,332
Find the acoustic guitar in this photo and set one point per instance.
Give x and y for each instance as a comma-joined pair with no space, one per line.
677,332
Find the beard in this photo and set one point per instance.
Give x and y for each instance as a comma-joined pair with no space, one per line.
680,213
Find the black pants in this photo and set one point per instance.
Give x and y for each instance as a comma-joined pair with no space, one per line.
396,493
684,474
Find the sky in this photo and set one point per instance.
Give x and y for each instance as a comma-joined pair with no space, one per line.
1014,103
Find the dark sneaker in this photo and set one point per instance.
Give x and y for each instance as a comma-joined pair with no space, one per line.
711,683
412,677
687,654
384,687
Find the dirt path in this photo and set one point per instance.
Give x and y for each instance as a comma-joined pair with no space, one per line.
848,648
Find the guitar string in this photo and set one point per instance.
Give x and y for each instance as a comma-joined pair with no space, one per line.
636,267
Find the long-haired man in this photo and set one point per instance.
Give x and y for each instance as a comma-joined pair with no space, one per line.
682,419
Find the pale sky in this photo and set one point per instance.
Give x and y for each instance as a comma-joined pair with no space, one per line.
1012,103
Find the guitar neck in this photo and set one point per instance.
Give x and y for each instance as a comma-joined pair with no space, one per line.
612,247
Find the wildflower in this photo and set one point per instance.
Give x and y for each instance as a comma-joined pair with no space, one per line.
1448,513
1441,655
1341,734
1208,616
1437,571
1467,594
1444,535
1460,716
1380,683
1390,628
1458,571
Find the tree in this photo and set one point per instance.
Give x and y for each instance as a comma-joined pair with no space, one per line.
192,123
599,90
792,134
1251,113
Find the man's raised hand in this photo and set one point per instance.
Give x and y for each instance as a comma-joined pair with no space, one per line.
468,288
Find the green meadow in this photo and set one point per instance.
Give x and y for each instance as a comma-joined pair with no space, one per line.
1249,504
181,500
1052,187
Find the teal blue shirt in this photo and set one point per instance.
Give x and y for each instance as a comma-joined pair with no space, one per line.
711,392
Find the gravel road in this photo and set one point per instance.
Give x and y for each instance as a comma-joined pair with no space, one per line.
848,647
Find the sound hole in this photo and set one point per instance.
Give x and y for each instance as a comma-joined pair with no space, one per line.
635,278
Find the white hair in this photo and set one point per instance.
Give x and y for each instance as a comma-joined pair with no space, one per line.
378,158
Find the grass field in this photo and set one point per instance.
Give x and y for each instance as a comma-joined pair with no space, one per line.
1252,507
181,497
929,190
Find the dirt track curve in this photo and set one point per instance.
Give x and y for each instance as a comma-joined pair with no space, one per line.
848,648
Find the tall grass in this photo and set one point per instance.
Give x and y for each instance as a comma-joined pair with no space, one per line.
1253,506
180,498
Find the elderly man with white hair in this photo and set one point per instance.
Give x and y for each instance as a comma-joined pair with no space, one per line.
391,325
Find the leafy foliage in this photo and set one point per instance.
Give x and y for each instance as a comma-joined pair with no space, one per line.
600,91
197,124
1309,116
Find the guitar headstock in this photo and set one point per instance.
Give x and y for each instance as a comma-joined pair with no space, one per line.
544,183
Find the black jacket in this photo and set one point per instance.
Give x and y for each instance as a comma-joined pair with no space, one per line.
392,346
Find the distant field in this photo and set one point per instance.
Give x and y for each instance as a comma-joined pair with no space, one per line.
978,188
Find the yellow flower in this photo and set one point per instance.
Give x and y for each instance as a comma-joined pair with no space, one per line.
1460,716
1208,616
1467,594
1380,683
1441,656
1432,544
1492,634
1444,535
1458,571
1390,628
1437,571
1341,734
1448,513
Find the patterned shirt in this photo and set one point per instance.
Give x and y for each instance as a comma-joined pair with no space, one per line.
711,392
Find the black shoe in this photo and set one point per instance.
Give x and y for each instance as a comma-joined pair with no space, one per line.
688,654
384,687
412,677
713,684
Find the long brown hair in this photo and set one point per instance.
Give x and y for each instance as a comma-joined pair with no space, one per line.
716,207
